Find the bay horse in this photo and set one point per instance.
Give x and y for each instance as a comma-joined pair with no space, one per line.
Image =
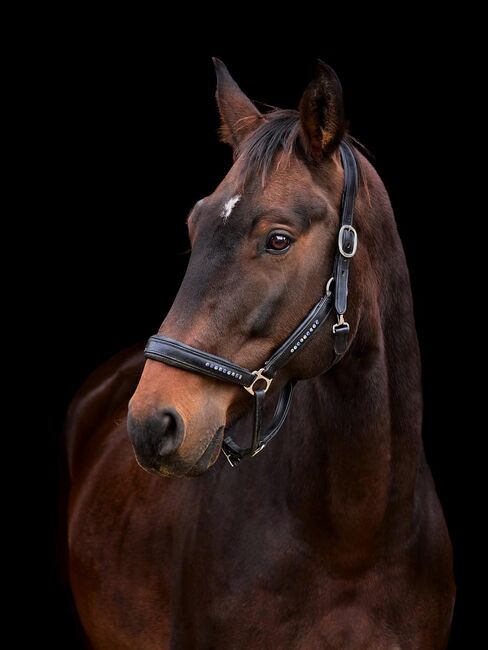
331,537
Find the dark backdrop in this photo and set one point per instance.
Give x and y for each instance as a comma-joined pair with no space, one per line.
132,135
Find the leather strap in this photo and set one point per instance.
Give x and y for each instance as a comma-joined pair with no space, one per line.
347,238
347,241
181,355
258,418
300,335
341,335
234,453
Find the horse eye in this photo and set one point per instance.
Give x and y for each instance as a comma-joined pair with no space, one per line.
278,242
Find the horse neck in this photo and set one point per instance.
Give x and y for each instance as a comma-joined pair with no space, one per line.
360,423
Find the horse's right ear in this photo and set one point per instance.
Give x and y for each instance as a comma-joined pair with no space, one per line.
238,115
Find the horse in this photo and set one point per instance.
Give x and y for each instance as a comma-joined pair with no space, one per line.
331,537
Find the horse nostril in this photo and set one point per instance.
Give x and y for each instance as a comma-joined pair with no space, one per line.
171,433
156,435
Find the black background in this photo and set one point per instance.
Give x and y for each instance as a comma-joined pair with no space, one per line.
130,127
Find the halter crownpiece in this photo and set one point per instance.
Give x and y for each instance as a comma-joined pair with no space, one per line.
257,382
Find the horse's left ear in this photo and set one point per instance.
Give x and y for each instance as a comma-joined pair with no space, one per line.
322,113
238,114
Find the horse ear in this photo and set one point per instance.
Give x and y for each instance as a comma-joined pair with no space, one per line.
322,113
238,114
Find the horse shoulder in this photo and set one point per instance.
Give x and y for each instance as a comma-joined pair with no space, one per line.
104,394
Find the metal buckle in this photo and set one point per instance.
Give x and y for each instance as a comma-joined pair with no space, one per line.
259,375
328,290
231,459
352,230
341,323
234,459
258,449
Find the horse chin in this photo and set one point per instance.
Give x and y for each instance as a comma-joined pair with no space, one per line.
179,468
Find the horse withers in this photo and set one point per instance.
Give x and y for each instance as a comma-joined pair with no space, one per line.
332,536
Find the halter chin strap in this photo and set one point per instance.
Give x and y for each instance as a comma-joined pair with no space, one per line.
257,382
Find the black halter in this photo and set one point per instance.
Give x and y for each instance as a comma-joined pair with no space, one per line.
175,353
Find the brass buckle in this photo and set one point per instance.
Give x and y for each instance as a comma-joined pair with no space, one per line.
259,375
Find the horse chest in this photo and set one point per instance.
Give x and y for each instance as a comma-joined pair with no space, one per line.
174,567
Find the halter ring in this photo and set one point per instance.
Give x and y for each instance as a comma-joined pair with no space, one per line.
259,375
328,290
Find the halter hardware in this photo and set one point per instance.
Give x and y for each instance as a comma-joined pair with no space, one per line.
259,376
341,324
347,248
328,290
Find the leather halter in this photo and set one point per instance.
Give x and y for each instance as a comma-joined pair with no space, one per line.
257,382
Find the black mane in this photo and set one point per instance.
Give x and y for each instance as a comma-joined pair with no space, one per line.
275,141
278,134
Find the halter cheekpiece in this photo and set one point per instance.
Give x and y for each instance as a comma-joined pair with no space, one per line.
257,382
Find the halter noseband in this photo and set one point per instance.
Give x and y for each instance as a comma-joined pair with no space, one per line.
186,357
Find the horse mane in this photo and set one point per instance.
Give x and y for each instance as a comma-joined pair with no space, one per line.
274,142
271,144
